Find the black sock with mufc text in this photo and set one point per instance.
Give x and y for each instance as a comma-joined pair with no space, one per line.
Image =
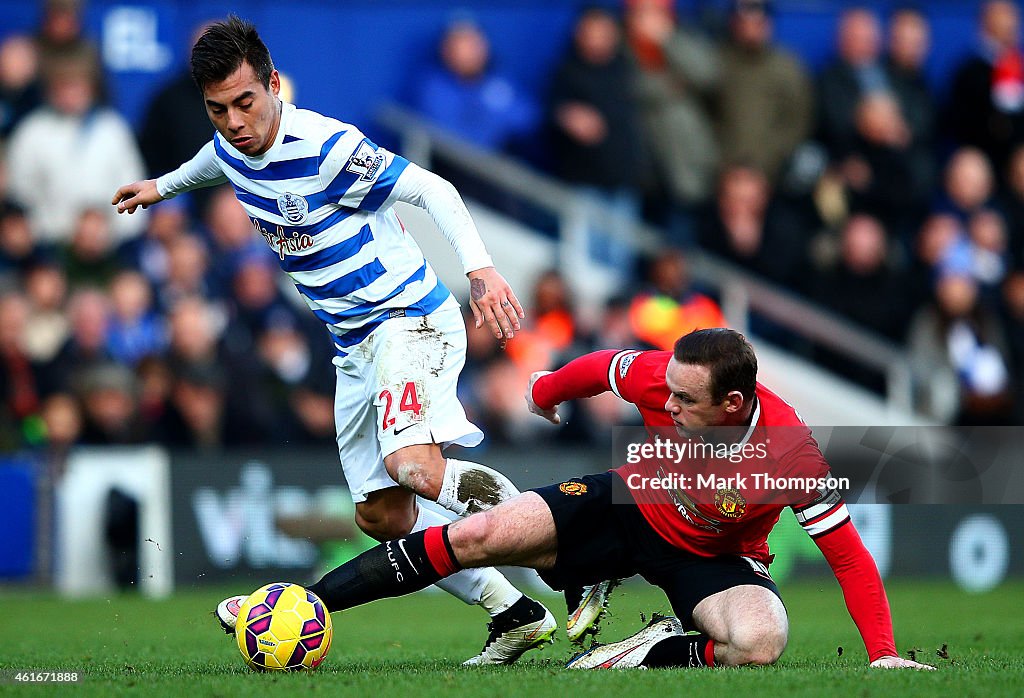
682,651
393,568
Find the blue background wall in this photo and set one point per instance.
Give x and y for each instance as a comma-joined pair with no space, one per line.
345,57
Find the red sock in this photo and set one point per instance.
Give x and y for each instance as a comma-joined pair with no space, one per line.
439,550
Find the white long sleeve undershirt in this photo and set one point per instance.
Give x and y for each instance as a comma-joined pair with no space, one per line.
441,200
201,171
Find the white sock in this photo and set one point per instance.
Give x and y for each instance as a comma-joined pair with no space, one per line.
484,586
470,487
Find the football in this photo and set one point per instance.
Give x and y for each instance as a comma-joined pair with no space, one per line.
283,627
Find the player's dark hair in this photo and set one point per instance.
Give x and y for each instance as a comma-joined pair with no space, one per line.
727,355
224,46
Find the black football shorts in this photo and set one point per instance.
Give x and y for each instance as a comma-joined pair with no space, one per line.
603,535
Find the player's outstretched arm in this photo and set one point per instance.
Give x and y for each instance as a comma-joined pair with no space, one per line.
550,414
585,376
493,302
201,171
131,196
900,663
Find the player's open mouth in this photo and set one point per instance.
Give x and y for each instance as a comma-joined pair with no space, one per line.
241,140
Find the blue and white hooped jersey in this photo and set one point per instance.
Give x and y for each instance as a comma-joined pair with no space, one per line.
321,196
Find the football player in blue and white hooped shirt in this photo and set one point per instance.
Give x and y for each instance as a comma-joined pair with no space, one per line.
321,195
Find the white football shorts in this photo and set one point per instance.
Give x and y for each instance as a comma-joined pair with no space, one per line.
397,388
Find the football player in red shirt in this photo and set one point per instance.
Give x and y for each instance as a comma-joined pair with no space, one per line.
706,548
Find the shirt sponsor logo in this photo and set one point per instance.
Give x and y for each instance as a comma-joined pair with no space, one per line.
282,243
293,207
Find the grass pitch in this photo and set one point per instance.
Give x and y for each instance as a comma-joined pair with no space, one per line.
413,646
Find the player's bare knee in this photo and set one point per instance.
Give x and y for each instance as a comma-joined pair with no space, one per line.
416,471
384,520
758,645
472,538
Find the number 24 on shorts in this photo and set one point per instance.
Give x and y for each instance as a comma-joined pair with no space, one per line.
409,402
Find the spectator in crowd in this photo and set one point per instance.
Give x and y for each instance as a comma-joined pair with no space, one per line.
18,248
744,228
856,71
991,81
135,330
47,328
187,270
465,95
595,128
668,307
62,424
19,389
551,328
60,33
908,47
986,231
249,415
886,176
149,253
20,90
155,382
969,183
1011,203
679,77
89,315
233,239
256,303
767,107
197,411
862,284
1013,317
960,355
89,257
937,236
108,395
70,154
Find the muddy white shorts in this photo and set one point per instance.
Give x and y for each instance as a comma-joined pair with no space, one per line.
397,388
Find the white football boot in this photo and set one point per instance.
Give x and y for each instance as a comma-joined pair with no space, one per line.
528,624
227,612
628,653
586,618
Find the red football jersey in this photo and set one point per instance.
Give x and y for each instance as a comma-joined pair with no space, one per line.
700,512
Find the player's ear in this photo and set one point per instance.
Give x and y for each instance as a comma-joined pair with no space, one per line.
275,82
734,401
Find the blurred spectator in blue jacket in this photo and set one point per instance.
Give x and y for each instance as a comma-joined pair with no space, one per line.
135,330
468,97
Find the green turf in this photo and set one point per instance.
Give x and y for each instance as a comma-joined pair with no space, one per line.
413,647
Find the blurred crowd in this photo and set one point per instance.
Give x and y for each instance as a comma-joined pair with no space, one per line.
861,187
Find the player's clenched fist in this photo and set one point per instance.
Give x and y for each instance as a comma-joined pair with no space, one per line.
142,193
550,415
